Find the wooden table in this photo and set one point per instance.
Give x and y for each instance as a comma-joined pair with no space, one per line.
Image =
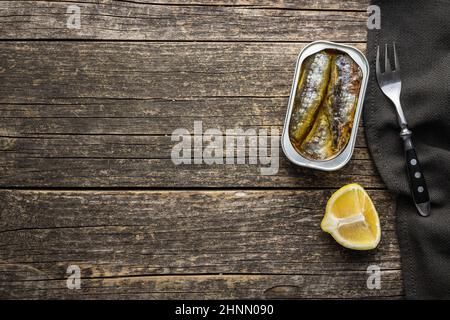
86,173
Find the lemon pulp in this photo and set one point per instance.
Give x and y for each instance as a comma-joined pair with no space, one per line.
351,218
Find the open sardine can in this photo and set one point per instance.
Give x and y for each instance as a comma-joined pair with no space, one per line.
325,105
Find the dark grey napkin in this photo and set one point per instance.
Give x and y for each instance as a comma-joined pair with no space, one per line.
421,30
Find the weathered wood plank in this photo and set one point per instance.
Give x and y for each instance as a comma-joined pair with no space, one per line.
116,20
338,285
134,161
101,114
354,5
140,117
131,244
102,172
46,72
109,146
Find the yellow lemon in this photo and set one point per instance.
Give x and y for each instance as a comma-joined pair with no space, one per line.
351,218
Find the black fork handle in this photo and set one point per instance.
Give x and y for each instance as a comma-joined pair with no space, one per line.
416,178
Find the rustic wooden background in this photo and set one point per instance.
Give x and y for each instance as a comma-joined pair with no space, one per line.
85,171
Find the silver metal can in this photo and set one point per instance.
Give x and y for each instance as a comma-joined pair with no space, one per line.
342,158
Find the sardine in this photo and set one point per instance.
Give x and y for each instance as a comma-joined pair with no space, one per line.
342,98
325,105
311,90
318,144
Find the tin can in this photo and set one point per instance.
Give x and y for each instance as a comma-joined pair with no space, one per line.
342,158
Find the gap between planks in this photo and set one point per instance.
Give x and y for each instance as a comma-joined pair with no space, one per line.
169,189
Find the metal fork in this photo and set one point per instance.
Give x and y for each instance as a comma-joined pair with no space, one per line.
391,85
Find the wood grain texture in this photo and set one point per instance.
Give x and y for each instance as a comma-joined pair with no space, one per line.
107,112
47,71
179,244
128,20
337,285
354,5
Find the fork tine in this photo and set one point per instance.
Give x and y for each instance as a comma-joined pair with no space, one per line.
397,64
387,63
378,62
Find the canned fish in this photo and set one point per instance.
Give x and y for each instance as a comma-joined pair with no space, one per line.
325,105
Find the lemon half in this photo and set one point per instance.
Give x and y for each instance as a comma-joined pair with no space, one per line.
351,218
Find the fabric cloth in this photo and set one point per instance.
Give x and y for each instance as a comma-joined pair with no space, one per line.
421,31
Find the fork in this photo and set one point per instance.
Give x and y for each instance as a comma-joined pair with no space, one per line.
391,85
